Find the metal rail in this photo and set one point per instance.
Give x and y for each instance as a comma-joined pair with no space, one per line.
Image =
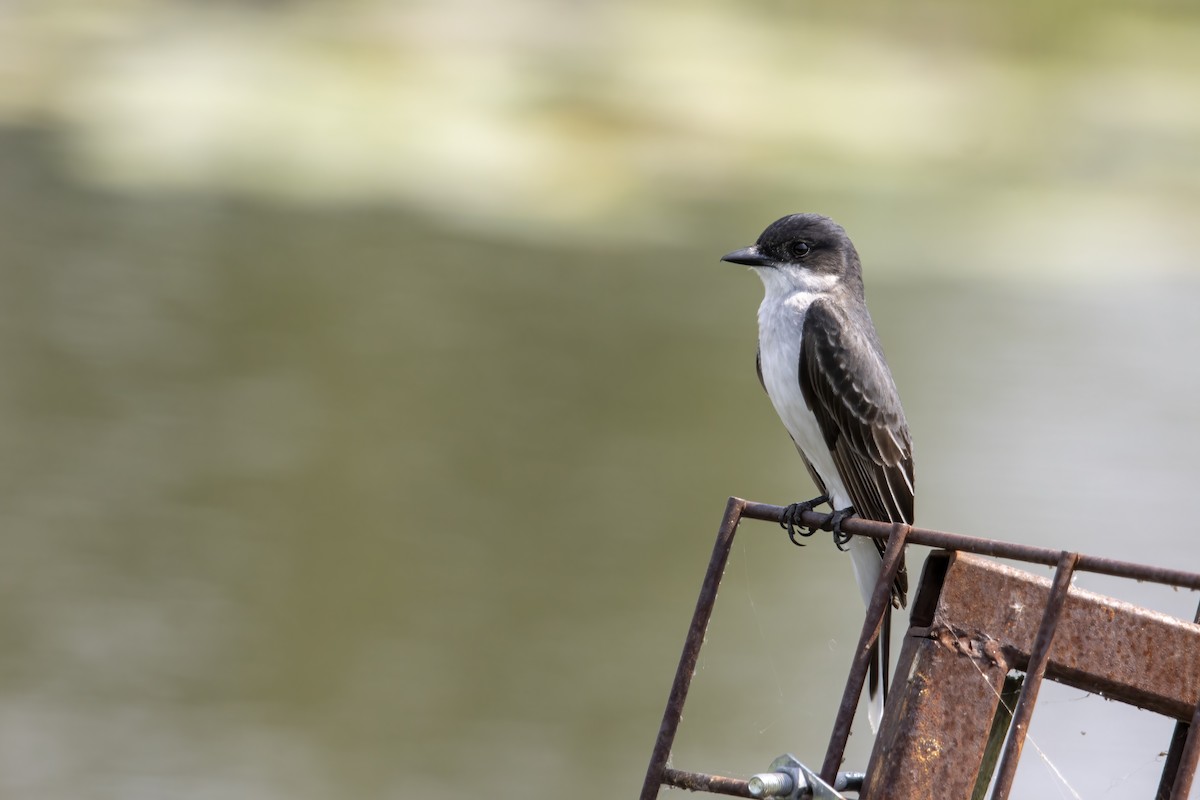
987,547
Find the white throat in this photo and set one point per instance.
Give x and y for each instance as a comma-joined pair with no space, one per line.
781,282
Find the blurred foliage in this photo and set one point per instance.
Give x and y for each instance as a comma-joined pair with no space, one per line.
647,121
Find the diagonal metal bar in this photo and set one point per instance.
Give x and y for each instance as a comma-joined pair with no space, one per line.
881,600
1039,657
1174,760
691,649
1188,759
1171,767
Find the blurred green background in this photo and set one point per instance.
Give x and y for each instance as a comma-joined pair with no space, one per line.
372,388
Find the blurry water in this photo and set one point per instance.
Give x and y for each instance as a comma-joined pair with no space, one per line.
308,503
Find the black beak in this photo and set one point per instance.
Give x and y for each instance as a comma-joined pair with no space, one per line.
748,256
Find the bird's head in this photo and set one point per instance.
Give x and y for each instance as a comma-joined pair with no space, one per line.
802,251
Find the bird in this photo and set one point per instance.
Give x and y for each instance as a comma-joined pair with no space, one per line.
821,363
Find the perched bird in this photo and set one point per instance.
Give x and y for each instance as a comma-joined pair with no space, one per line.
821,363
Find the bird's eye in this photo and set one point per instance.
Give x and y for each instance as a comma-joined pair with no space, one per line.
800,249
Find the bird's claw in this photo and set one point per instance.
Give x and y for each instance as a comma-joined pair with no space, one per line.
835,520
791,521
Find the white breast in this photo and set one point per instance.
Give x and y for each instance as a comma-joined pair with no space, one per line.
780,323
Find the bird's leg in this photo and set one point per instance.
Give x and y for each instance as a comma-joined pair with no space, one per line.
836,518
791,519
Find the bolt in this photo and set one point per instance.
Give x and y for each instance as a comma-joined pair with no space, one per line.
771,784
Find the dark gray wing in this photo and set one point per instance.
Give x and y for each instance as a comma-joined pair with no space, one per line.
848,386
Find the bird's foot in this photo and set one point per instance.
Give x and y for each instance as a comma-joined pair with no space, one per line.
792,515
836,519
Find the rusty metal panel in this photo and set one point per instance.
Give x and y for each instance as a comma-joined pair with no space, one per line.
1102,645
939,713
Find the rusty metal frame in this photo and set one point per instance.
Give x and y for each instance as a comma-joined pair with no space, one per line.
974,620
658,773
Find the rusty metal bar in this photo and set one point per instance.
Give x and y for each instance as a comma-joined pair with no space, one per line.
691,649
941,706
987,547
1038,659
1188,760
881,600
1172,765
700,782
736,787
1173,761
1010,692
1170,772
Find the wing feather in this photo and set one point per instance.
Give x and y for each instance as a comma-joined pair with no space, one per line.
848,386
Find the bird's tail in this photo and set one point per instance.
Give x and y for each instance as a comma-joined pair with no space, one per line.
877,673
868,565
